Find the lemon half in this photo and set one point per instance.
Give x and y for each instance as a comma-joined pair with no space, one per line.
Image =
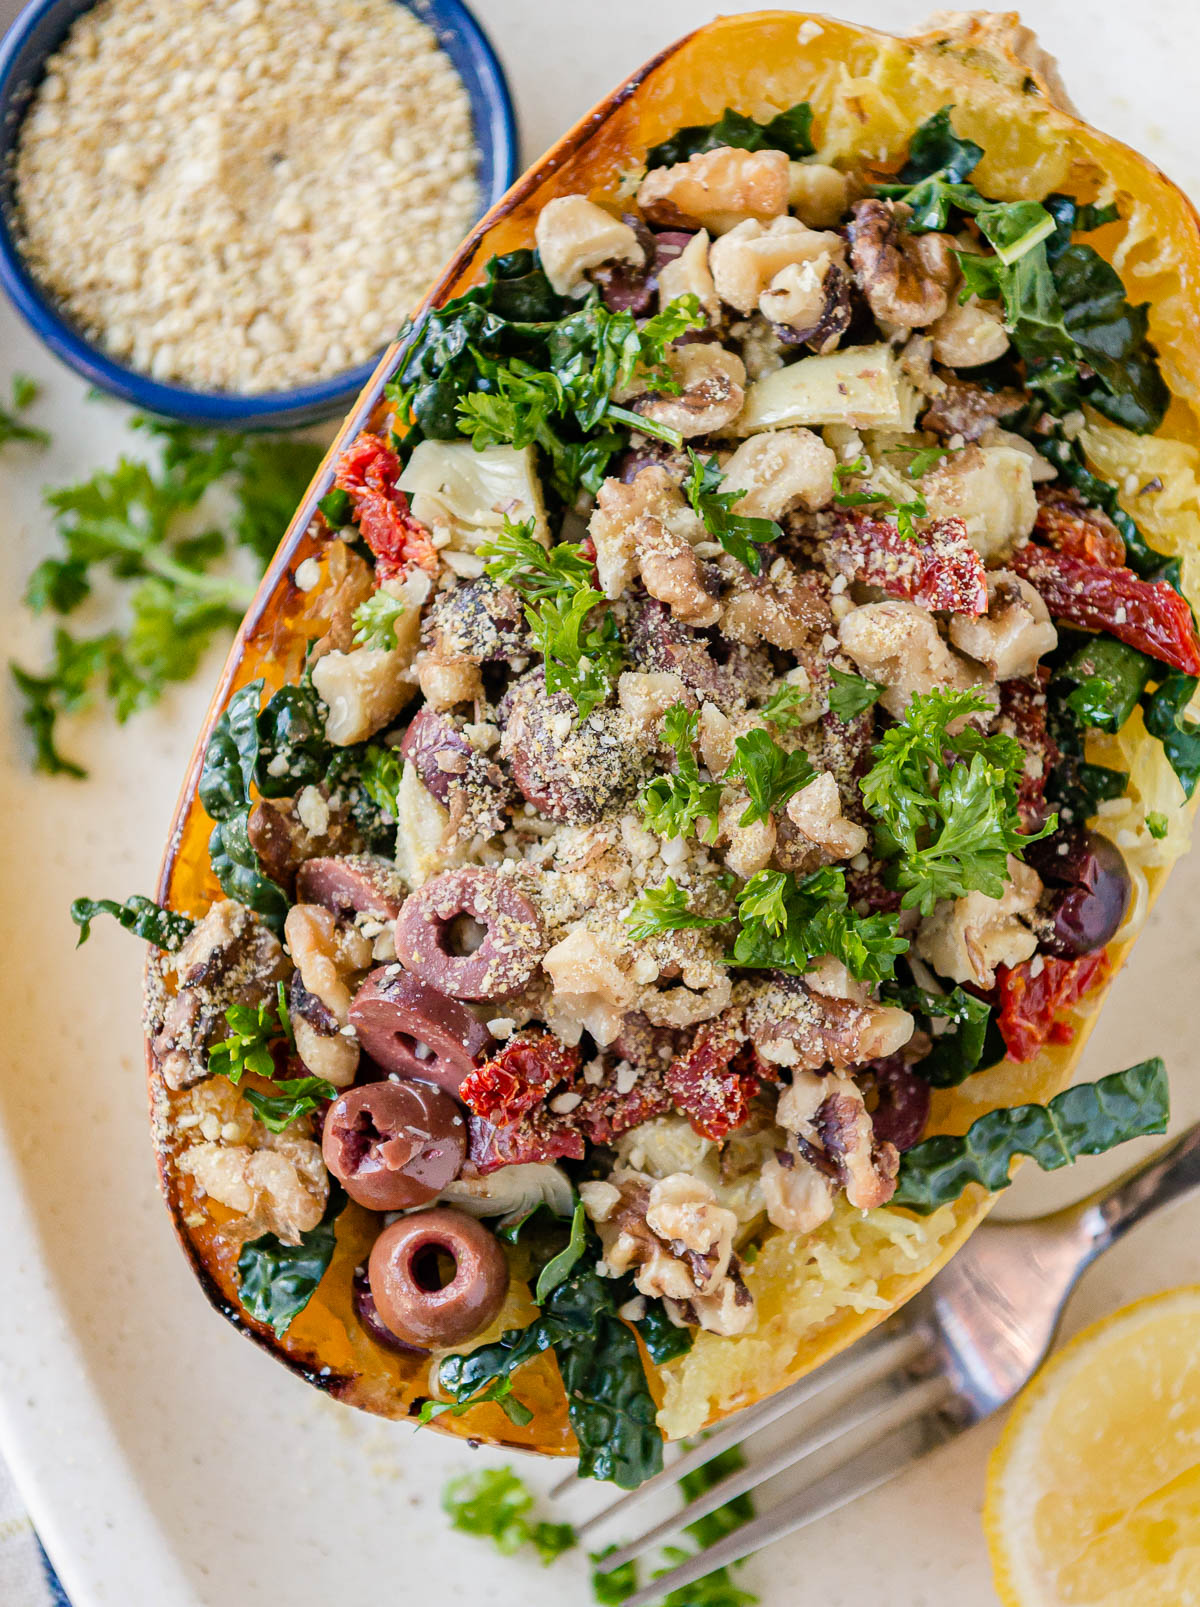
1093,1495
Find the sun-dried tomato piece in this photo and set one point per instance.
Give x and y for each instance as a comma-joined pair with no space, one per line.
1023,716
715,1080
368,471
1148,615
939,568
604,1112
1033,995
518,1077
1066,523
538,1136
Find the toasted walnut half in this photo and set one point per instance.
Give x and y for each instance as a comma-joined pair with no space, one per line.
829,1120
906,278
330,955
1014,633
711,383
780,470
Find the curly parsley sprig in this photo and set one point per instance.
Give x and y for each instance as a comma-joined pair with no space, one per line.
944,798
787,925
673,804
738,533
582,653
665,909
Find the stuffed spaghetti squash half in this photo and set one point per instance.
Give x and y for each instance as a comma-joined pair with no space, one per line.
700,752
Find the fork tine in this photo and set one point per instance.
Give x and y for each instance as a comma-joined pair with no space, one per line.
866,1470
888,1348
885,1412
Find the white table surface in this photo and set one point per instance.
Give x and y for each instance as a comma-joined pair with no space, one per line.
165,1460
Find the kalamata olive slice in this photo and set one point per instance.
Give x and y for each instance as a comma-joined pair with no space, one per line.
410,1028
902,1103
569,770
356,884
438,750
430,934
365,1310
437,1277
1087,891
393,1145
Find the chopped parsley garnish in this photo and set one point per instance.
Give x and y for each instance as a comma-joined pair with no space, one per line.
380,771
783,709
737,532
297,1096
1157,824
558,1269
132,522
582,656
925,458
496,1505
672,804
248,1049
664,909
851,695
905,512
945,802
375,620
769,773
12,426
788,924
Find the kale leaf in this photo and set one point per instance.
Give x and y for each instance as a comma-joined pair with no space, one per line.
969,1038
789,131
276,1280
1163,710
1085,1120
230,767
165,928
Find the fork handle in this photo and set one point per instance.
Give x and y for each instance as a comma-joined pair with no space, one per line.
1170,1175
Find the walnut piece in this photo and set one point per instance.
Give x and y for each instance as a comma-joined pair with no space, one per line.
818,194
990,488
688,274
778,471
816,813
749,258
906,278
965,939
574,235
827,1116
646,528
898,645
330,956
712,389
792,1022
1014,633
365,690
969,333
748,849
718,189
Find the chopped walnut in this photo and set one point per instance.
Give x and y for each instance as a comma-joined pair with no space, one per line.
574,235
749,258
969,333
717,189
828,1118
330,955
364,689
965,939
711,383
906,278
646,697
898,645
681,1242
673,574
791,1022
781,606
229,958
277,1182
748,849
589,982
811,302
816,813
646,518
688,274
719,732
446,683
1014,633
346,583
778,471
818,194
799,1197
990,488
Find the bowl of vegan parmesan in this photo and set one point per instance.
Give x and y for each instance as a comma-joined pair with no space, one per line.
221,210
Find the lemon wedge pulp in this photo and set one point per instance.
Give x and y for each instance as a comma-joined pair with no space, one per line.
1093,1496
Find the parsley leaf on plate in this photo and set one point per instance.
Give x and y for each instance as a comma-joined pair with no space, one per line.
12,426
495,1504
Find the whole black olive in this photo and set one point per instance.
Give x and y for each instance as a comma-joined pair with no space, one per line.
1087,891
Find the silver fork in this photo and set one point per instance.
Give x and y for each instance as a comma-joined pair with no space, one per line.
956,1353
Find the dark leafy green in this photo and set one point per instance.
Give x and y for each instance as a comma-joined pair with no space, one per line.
1108,677
967,1040
230,767
1163,711
166,929
936,151
276,1280
609,1403
558,1268
1085,1120
789,131
293,750
499,1393
661,1337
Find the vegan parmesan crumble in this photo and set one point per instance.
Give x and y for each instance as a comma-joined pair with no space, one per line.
244,197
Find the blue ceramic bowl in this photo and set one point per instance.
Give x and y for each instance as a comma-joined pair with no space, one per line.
37,33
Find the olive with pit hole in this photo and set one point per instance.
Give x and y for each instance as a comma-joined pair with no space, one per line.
412,1029
437,1277
1087,891
393,1145
438,936
353,884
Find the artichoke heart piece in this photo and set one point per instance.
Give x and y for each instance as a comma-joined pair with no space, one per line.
863,386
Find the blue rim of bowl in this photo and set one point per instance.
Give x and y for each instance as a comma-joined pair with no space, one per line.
37,33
